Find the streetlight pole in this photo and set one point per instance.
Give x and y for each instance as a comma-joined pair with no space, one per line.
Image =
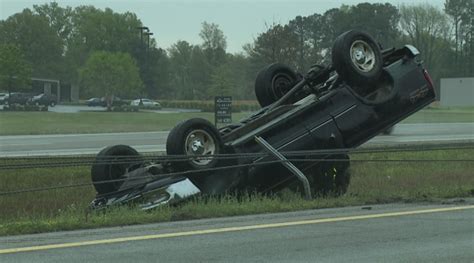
148,34
145,31
142,28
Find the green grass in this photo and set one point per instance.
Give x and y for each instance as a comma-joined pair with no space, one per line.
24,123
372,182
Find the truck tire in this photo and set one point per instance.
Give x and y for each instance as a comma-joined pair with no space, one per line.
194,137
273,82
357,58
111,164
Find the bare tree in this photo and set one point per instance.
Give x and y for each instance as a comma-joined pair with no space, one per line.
426,27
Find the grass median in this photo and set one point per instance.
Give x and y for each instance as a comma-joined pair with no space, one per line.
26,123
376,178
32,123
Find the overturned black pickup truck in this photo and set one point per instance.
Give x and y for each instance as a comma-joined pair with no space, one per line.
364,92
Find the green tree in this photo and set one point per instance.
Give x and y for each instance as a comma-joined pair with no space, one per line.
102,30
180,57
110,74
314,28
233,78
15,72
300,27
379,20
59,18
155,73
214,43
200,70
458,10
191,71
468,23
278,44
222,82
427,29
35,38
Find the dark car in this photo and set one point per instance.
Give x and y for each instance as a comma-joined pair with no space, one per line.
18,98
299,139
44,99
93,102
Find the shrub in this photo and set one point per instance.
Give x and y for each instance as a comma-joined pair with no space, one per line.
208,105
124,108
19,107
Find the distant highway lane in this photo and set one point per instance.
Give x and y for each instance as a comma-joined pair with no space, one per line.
72,144
379,233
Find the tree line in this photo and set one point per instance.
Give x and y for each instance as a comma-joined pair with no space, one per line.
102,51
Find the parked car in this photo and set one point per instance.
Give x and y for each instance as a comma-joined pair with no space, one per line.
93,102
118,102
3,97
298,140
18,98
145,103
44,99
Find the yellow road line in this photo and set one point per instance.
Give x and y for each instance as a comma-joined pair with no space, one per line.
231,229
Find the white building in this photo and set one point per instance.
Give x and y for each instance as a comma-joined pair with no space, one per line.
457,92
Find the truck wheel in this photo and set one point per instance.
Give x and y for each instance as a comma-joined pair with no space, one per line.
273,82
357,58
52,103
196,138
112,163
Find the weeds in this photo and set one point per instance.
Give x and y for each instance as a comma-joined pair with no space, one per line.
372,182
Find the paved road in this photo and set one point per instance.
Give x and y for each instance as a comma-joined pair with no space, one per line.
385,233
155,141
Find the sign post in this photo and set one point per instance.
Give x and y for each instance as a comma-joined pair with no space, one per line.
222,110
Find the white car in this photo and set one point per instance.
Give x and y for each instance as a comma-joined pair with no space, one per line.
3,98
146,103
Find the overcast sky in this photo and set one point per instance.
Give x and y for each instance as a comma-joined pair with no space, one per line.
241,20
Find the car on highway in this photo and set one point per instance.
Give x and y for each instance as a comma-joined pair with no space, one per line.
299,139
44,99
145,103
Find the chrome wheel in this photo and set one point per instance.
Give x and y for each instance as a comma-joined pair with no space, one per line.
362,56
200,142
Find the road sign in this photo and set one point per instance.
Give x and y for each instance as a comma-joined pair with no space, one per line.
223,109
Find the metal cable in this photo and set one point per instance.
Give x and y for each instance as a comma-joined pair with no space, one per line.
136,178
128,162
322,151
75,161
224,168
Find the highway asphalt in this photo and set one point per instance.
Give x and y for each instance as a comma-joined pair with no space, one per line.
379,233
155,141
